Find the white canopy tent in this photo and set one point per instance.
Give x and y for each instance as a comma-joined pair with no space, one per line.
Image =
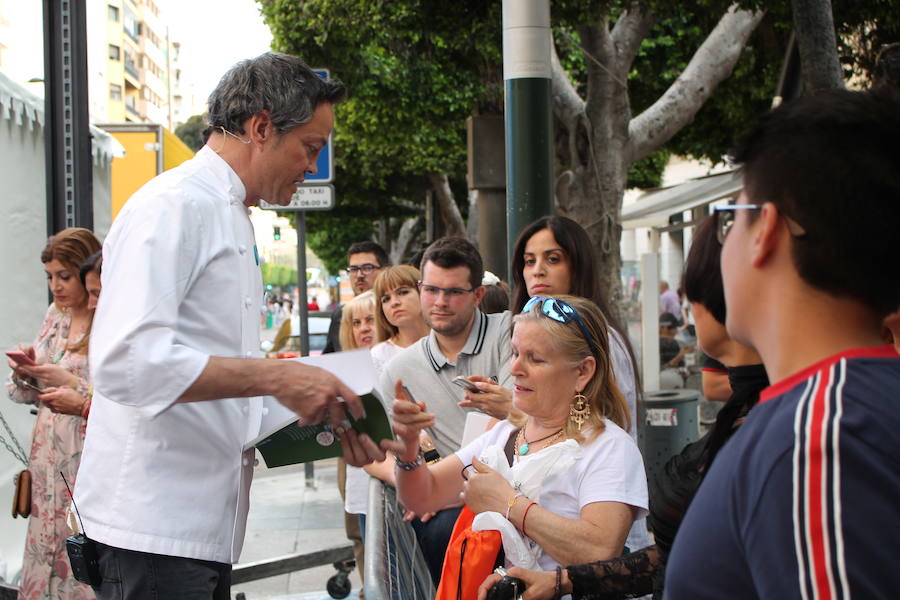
655,210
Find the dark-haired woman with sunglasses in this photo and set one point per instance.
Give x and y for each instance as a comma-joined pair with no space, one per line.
554,256
573,416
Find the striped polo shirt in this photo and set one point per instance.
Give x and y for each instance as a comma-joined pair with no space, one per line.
804,500
428,374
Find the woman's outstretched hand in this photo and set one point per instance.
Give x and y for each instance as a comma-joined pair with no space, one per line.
408,420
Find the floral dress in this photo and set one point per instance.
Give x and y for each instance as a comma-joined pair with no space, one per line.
56,445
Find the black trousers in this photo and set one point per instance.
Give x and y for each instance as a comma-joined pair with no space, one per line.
434,537
131,575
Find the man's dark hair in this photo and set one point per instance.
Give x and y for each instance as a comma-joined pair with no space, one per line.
278,83
371,247
94,262
702,279
451,252
830,162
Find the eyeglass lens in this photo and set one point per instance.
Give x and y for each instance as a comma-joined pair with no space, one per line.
366,268
433,290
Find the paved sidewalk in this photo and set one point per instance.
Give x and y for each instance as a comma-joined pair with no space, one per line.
287,517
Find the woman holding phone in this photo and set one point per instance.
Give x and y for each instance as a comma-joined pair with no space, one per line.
60,371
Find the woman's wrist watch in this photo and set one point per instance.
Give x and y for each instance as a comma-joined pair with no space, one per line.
412,465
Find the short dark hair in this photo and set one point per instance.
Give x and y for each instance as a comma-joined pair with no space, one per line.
702,278
278,83
830,162
451,252
495,299
93,263
370,247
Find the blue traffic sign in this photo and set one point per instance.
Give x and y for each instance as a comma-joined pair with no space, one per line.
325,163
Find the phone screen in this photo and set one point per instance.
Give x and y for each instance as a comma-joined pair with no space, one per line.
465,383
20,357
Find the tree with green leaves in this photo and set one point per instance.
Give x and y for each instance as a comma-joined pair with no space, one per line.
190,132
632,82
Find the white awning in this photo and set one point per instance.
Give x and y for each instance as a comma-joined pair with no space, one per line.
25,109
654,208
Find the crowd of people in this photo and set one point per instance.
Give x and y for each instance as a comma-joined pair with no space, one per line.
780,499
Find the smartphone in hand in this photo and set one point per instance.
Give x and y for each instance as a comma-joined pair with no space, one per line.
21,358
468,385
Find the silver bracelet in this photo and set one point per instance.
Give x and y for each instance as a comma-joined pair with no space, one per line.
412,465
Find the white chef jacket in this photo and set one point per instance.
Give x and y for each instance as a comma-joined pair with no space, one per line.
181,283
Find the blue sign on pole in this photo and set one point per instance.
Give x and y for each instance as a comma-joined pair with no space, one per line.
325,163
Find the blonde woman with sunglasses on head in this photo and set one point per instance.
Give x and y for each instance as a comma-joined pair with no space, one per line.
572,406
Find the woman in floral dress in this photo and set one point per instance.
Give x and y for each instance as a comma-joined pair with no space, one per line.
60,352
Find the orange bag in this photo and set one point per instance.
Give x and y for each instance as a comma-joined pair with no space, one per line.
471,556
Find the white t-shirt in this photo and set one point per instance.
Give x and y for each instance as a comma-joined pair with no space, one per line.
609,470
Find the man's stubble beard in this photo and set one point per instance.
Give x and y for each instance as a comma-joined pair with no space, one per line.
450,329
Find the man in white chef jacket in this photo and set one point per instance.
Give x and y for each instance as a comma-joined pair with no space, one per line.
163,486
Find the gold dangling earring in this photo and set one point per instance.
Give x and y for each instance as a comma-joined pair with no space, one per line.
579,411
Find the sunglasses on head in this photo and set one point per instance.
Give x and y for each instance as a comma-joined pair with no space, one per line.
561,312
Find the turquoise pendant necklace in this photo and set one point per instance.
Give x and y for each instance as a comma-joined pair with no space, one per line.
526,445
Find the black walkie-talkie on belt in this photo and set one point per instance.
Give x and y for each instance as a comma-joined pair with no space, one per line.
82,551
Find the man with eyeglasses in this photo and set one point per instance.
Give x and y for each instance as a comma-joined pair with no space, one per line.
365,260
463,341
797,503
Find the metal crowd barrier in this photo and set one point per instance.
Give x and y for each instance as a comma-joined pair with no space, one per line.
395,568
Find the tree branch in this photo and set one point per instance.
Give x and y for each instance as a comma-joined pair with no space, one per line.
567,104
453,221
629,31
602,64
816,40
712,63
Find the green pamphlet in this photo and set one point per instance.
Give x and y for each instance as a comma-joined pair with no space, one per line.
282,441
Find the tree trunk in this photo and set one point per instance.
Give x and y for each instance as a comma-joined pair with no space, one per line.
453,221
597,141
817,42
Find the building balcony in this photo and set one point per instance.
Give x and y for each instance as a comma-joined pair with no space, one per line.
132,69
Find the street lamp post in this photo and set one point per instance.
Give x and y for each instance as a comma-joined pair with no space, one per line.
529,125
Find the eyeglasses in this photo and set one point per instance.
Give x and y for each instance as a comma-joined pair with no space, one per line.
366,268
562,312
433,290
725,217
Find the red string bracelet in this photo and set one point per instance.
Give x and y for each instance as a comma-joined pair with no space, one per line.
525,516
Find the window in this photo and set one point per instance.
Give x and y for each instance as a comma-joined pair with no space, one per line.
131,25
115,53
112,13
115,92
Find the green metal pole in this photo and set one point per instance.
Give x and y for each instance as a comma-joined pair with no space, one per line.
529,124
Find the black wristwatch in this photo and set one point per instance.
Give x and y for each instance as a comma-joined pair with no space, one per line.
412,465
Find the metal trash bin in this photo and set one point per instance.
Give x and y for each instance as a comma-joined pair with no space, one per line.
669,421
